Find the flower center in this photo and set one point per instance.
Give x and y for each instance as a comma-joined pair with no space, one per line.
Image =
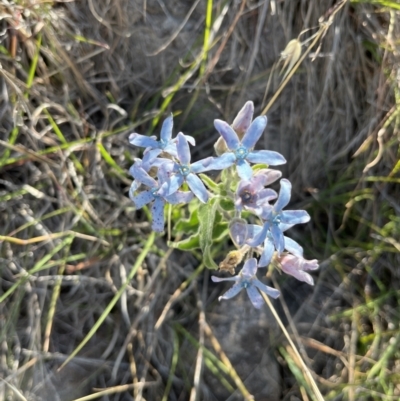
184,170
246,196
154,192
163,143
276,219
241,153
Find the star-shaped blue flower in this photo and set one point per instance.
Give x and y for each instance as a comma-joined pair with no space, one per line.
149,160
242,233
182,171
151,195
241,151
277,221
165,144
247,279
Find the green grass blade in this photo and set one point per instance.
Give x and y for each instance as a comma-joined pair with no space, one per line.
115,299
174,362
37,267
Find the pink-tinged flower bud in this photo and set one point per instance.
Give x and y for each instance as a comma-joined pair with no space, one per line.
243,120
240,124
296,266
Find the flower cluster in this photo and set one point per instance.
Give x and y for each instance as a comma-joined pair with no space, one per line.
166,167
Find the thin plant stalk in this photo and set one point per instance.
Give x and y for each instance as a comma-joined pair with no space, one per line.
306,370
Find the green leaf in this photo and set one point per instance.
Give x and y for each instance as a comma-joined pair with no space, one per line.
259,166
211,184
207,214
188,225
220,231
227,204
187,244
208,259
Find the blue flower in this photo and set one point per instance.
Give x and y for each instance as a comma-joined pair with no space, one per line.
241,151
151,195
277,221
182,171
149,160
247,279
251,195
165,144
241,232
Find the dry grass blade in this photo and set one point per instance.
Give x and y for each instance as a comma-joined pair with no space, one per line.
232,372
306,371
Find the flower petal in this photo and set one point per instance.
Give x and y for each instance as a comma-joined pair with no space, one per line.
295,217
266,156
219,279
266,195
253,230
143,141
222,162
269,175
300,275
255,297
171,149
171,186
238,231
284,227
249,268
267,254
157,211
179,197
134,187
197,187
242,121
166,129
201,165
232,291
284,195
139,174
293,247
277,235
142,199
244,170
227,132
149,158
183,149
272,292
163,173
260,237
254,133
191,140
310,264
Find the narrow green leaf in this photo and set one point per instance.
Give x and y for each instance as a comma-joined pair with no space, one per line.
37,267
35,60
115,299
259,166
207,214
187,244
109,160
211,184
